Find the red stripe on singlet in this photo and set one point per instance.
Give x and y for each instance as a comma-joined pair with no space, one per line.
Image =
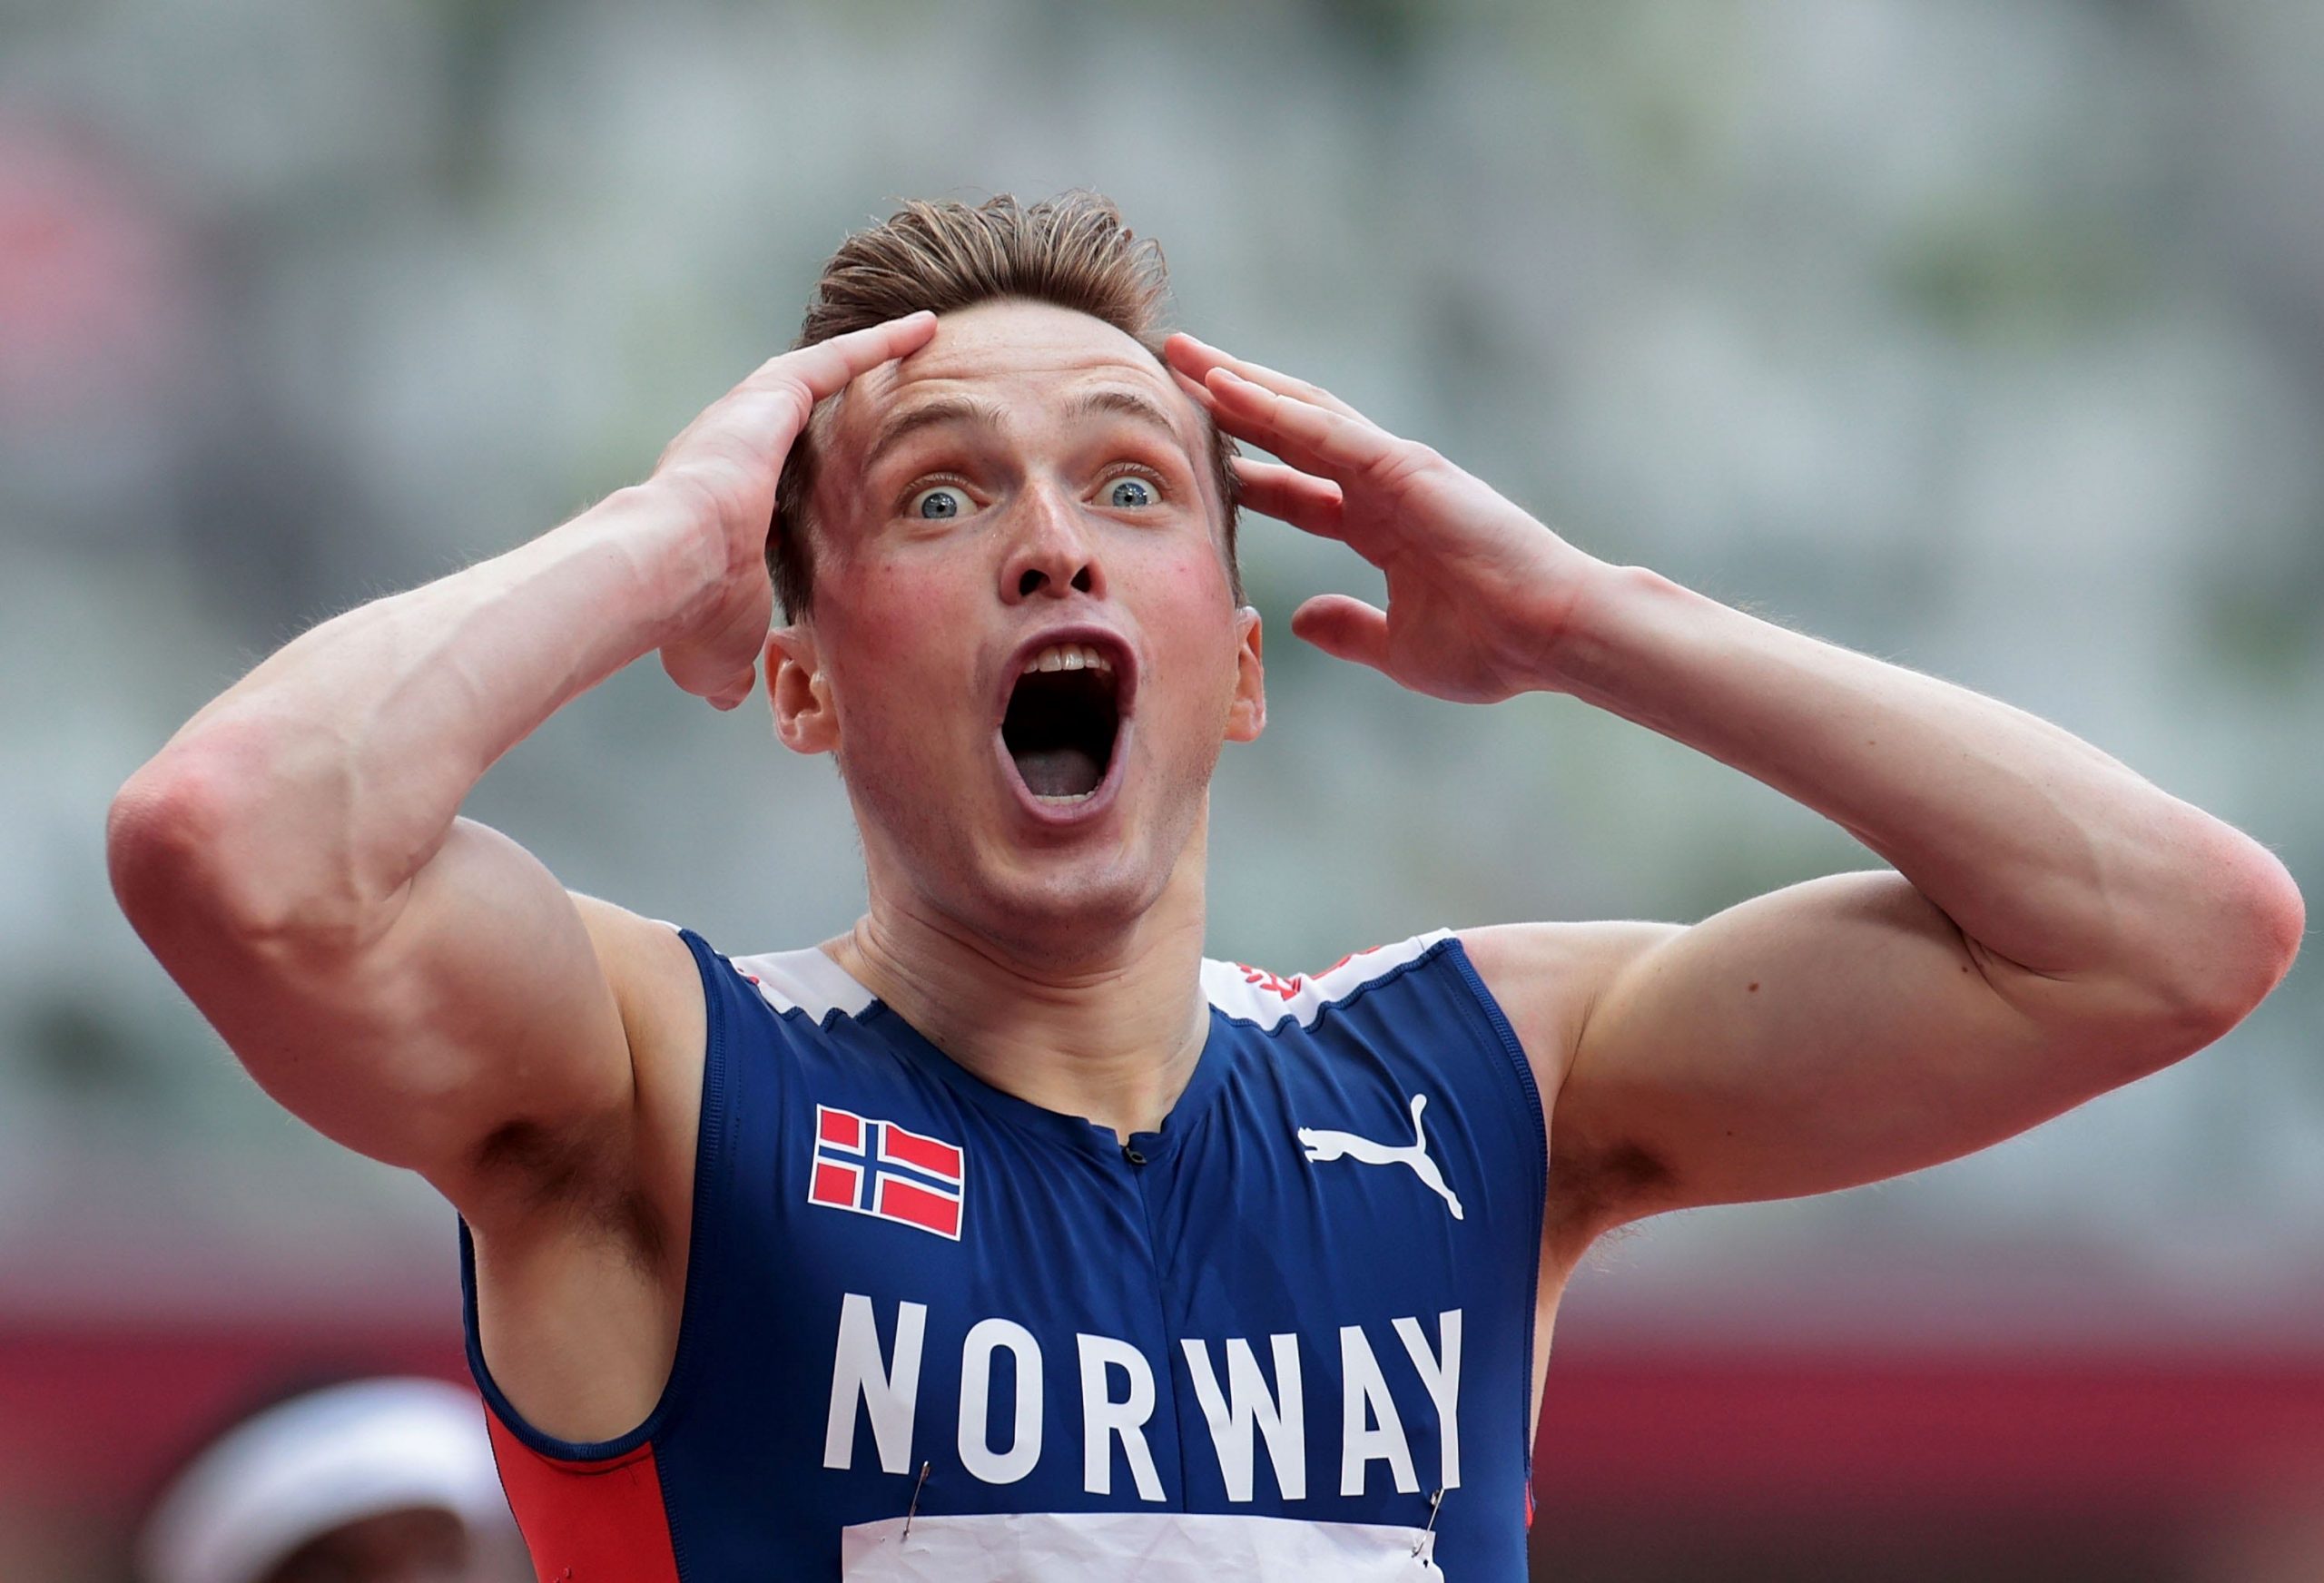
583,1521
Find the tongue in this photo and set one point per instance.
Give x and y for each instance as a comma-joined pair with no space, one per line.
1060,772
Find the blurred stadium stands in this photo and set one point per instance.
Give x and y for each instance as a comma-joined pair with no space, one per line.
1988,338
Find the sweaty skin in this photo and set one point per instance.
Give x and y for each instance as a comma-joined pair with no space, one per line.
419,988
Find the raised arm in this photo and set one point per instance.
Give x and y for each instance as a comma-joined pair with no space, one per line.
411,983
2055,925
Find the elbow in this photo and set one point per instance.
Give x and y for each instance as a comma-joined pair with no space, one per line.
2251,918
2279,922
162,833
195,851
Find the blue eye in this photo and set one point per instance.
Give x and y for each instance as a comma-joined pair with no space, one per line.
937,503
1129,493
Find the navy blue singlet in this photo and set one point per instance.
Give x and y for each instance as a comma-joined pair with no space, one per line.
931,1330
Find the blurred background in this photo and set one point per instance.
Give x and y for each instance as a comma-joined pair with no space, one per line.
1985,337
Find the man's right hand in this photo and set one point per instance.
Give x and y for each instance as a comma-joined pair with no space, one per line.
724,467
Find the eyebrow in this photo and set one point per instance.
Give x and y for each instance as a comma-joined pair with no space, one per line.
1127,403
929,414
1115,400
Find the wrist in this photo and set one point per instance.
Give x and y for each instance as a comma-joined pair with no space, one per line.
1605,614
675,554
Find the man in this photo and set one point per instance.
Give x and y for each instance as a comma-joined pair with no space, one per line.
1003,1235
384,1480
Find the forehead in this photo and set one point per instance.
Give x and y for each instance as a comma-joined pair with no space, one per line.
1029,359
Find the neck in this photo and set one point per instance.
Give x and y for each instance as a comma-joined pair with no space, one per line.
1110,1030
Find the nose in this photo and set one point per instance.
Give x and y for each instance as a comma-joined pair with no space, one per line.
1051,552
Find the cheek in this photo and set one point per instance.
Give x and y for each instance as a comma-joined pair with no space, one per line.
892,631
1189,620
902,613
1178,570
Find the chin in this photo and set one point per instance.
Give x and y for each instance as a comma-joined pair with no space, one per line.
1055,890
1060,906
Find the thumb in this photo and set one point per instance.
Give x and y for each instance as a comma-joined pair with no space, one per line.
1344,628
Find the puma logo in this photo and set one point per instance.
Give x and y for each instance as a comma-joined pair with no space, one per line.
1321,1144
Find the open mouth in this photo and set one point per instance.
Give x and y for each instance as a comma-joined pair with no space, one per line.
1063,720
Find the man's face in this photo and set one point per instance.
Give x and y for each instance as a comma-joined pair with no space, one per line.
1025,649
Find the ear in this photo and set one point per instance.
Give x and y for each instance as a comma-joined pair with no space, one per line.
1247,716
802,694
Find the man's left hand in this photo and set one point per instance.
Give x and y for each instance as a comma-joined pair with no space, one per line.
1479,593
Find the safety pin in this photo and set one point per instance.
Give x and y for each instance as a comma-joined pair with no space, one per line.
1434,1501
914,1509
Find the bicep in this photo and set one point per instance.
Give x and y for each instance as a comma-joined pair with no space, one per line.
1833,1033
479,1016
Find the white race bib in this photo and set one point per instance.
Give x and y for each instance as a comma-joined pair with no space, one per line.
1133,1546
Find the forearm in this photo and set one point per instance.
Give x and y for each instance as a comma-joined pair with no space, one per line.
324,780
2040,847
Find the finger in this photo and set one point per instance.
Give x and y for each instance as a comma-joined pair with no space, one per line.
1310,504
735,693
825,368
1197,358
1344,628
1312,438
1196,388
720,689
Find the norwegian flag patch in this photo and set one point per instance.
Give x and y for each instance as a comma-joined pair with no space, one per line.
877,1168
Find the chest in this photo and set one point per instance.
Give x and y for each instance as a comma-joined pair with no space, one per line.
1310,1297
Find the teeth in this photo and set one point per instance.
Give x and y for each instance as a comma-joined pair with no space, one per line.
1069,657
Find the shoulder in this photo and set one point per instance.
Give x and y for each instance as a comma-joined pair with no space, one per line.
1549,980
652,975
1273,999
1547,977
807,981
1543,978
643,1158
